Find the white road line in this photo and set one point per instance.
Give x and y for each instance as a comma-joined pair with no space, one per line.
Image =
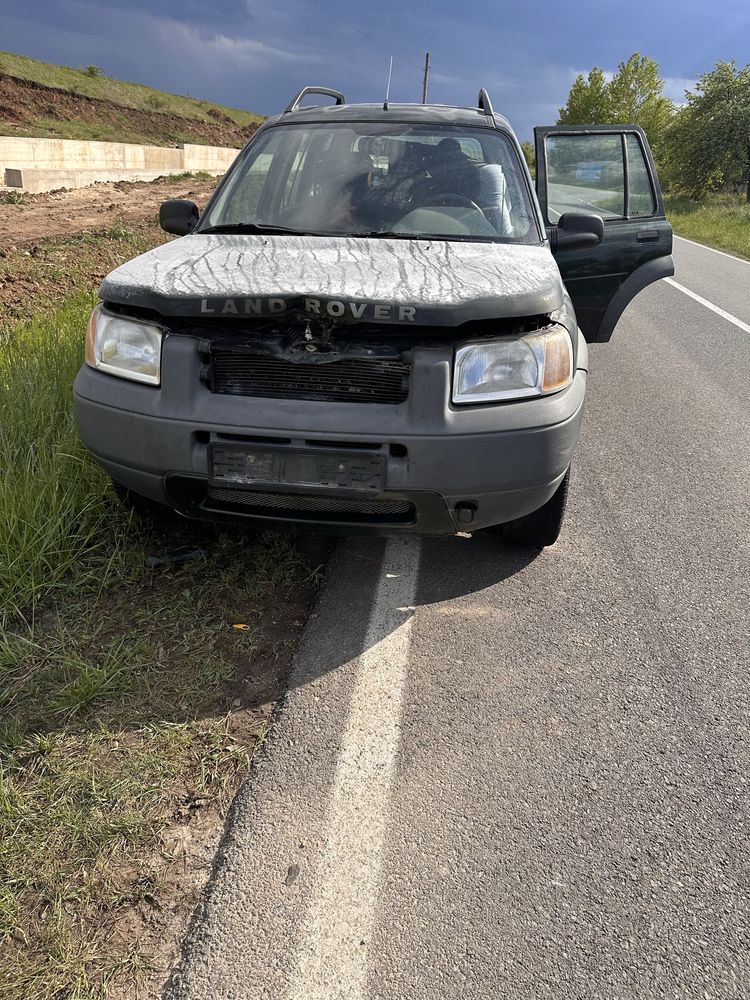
709,305
338,929
703,246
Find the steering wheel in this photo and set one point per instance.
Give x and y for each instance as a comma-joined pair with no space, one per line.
457,201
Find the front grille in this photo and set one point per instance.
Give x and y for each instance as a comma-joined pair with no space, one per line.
365,509
348,380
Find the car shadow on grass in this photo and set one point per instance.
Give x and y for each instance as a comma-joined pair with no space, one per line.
200,622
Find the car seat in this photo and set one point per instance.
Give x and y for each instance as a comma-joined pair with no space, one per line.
492,197
452,173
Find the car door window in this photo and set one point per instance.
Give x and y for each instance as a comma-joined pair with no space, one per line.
585,174
640,192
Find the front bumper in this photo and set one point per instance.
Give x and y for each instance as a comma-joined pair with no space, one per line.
447,468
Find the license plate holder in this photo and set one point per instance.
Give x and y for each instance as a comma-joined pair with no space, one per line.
247,465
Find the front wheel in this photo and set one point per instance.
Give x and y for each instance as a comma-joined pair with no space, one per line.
541,527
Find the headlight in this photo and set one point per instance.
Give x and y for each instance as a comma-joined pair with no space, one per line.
513,367
122,346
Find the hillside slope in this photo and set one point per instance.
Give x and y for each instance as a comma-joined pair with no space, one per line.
41,99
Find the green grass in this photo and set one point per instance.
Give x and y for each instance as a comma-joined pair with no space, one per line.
51,497
193,175
116,715
130,95
120,686
721,221
115,128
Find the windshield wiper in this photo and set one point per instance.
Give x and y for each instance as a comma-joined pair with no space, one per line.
254,227
386,234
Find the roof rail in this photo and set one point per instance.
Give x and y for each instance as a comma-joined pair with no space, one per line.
485,104
294,103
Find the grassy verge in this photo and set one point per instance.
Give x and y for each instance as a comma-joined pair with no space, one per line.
721,221
51,499
129,703
92,82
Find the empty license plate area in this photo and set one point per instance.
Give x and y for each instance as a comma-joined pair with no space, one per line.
247,466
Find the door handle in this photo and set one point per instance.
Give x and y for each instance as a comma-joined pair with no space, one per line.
647,236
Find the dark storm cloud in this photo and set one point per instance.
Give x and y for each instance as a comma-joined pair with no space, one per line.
254,54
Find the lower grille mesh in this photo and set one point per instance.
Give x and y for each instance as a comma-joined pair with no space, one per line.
356,380
373,508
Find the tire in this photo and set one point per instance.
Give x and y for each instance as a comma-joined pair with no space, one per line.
139,505
541,527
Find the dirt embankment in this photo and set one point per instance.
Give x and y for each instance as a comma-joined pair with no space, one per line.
54,244
93,209
28,108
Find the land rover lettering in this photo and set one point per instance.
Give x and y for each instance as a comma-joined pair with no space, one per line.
333,308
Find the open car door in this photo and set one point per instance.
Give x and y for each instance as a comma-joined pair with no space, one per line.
604,170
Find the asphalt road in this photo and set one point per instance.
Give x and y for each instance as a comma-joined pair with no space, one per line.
499,776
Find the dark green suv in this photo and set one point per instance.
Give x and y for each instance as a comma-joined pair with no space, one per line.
376,323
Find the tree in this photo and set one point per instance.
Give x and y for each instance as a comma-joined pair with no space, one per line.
587,101
530,154
634,95
709,140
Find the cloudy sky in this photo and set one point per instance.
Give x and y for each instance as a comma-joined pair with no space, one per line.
254,54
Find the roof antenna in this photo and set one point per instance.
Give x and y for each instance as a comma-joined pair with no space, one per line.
426,77
388,86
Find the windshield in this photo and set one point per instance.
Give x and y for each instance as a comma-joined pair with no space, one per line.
377,179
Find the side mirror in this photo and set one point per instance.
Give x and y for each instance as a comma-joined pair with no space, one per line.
178,216
577,231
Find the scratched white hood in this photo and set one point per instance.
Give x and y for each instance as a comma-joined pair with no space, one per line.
382,280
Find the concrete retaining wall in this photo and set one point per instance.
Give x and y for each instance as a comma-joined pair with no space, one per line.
45,164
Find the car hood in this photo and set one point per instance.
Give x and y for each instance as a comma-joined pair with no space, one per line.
405,281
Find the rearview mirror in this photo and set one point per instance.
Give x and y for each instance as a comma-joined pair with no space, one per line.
178,216
577,231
